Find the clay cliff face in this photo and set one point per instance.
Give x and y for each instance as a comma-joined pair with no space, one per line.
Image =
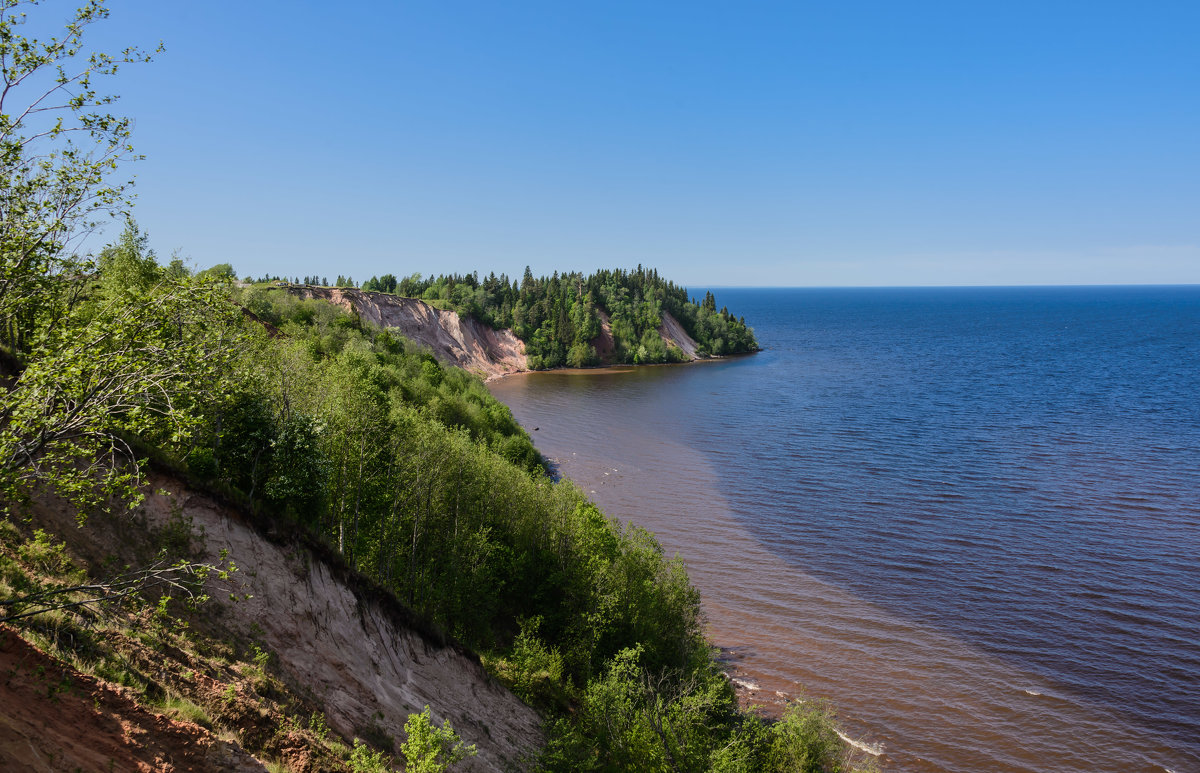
365,665
467,343
360,657
463,343
673,333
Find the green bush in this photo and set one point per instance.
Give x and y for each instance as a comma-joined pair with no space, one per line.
428,748
533,670
638,718
364,760
581,355
805,741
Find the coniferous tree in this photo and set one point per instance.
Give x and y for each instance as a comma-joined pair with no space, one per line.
559,317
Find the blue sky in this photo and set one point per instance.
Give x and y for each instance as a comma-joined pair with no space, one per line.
725,143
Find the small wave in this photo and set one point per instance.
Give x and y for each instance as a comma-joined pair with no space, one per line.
874,750
746,684
1031,692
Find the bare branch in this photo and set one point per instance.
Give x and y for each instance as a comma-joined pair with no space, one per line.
157,576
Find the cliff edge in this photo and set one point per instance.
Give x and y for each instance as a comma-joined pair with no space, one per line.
331,641
464,342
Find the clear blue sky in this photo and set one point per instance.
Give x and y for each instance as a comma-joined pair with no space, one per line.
725,143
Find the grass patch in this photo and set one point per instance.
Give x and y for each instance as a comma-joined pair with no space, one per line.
179,707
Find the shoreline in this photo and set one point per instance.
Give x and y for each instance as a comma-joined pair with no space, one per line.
921,681
757,691
592,370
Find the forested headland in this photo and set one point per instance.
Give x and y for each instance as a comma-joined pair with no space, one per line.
610,316
114,363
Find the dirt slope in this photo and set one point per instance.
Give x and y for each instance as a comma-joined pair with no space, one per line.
604,344
57,719
466,343
339,643
673,333
463,343
355,654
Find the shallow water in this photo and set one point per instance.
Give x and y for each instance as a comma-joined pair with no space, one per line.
968,517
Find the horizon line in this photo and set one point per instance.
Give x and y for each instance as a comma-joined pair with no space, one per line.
942,287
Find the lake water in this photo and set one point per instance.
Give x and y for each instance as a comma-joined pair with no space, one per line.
969,517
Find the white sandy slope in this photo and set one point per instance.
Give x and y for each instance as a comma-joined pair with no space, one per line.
351,652
466,343
463,343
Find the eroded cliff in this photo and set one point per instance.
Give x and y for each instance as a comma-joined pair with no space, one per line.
331,643
355,651
464,342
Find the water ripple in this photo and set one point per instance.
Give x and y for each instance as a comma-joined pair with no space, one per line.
969,517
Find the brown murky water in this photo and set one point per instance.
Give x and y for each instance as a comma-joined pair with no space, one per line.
914,695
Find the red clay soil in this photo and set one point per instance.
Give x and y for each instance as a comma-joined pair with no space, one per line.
603,344
53,718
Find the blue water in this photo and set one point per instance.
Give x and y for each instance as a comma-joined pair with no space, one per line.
1012,470
1020,466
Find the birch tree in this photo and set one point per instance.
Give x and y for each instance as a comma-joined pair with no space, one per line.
87,365
61,150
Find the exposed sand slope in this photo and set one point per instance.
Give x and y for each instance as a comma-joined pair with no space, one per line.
670,330
673,333
353,653
463,343
604,344
466,343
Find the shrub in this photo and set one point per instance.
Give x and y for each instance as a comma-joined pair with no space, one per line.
805,740
533,671
429,748
363,760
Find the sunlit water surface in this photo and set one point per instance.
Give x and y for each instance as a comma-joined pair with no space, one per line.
970,518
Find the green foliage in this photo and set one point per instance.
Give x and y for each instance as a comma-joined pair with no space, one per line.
261,657
533,670
428,748
318,726
221,273
636,718
650,349
805,741
90,356
364,760
129,265
297,465
127,364
59,149
48,557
